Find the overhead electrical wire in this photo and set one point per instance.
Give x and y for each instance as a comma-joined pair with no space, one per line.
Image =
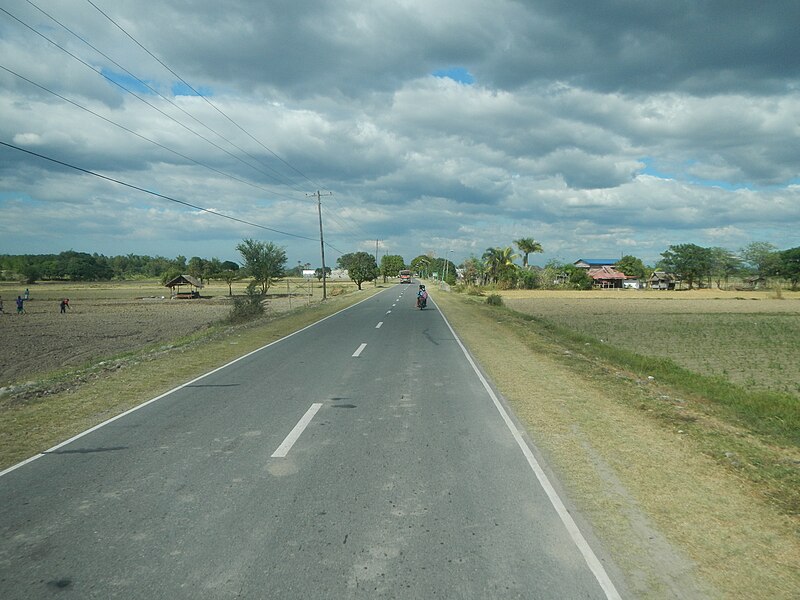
211,104
145,138
190,87
122,87
156,194
159,94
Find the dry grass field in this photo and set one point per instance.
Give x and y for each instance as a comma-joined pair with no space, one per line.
689,499
749,338
111,318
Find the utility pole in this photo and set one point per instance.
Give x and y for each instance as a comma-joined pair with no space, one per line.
376,261
322,243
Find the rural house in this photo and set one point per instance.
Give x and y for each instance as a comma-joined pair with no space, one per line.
661,280
606,277
595,263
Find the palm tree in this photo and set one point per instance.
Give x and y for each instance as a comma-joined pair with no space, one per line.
527,246
498,260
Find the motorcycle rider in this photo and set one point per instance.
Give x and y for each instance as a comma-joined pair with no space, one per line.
422,297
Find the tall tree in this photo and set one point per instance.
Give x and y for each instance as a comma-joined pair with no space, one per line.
473,270
724,264
527,246
762,258
790,265
499,263
422,264
264,261
228,272
360,266
391,265
631,266
196,267
691,262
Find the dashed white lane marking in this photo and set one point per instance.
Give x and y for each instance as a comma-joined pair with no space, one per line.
393,305
287,444
378,326
388,311
358,352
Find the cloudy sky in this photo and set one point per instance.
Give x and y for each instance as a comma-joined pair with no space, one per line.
597,127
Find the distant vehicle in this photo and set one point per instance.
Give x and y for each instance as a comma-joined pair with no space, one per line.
405,276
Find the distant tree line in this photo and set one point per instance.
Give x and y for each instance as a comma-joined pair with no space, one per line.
758,261
81,266
758,264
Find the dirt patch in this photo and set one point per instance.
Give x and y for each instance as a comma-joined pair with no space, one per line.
43,339
102,322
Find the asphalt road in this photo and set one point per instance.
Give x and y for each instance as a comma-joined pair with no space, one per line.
360,457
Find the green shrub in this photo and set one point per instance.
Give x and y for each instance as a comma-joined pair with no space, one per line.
494,300
247,307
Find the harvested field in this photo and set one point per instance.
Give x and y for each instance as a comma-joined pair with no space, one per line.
104,320
751,339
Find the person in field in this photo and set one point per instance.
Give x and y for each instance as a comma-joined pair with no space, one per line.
64,305
20,305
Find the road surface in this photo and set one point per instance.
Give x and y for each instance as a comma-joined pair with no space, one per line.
360,457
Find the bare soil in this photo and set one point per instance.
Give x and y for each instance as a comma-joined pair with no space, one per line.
108,319
43,340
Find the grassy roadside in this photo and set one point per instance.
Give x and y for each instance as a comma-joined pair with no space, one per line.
63,404
689,504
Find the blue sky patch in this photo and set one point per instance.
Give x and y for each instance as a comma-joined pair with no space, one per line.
181,89
459,74
126,81
650,169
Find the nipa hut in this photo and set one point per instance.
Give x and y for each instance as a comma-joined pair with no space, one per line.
175,286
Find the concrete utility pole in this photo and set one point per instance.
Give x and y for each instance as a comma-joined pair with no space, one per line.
322,242
376,261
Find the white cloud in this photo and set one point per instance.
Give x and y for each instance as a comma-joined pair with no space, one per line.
595,131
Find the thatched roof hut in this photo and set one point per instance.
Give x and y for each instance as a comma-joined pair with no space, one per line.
181,280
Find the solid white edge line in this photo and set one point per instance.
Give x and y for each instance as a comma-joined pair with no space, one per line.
358,352
378,326
589,556
175,389
295,433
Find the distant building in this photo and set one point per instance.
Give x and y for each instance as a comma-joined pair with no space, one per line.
175,287
661,280
595,263
607,277
632,283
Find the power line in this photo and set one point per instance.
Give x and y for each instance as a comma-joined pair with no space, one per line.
152,193
211,104
159,94
145,138
122,87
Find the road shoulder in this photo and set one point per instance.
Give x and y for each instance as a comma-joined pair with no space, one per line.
674,522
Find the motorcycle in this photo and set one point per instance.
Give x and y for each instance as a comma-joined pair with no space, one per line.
422,301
